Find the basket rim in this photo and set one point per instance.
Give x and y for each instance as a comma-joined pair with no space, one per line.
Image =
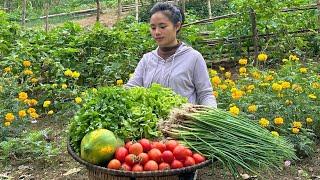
170,172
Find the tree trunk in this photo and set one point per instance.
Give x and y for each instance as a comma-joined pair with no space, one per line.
318,5
24,11
98,10
47,16
209,9
119,9
183,5
137,10
254,35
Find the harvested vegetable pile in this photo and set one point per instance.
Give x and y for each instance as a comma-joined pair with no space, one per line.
233,140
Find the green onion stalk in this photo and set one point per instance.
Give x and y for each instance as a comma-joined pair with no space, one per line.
235,141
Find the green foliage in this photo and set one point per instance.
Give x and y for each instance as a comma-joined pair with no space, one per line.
129,113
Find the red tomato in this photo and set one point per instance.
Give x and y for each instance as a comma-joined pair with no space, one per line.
198,158
145,144
189,161
189,152
136,149
151,166
128,144
155,154
137,168
176,164
143,158
167,156
125,167
164,166
180,152
121,154
114,164
131,159
171,144
159,145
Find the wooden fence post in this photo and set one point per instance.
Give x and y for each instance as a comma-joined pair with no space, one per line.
209,9
119,9
98,10
46,11
137,10
183,5
24,11
254,34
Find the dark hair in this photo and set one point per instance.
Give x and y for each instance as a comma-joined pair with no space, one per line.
174,13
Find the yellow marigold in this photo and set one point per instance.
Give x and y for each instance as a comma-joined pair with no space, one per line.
276,87
262,57
75,74
26,63
275,133
278,121
23,96
250,88
221,68
309,120
227,74
230,83
297,88
234,110
7,69
268,78
223,86
215,93
255,75
34,80
216,80
264,122
295,130
288,102
237,94
50,112
119,82
6,124
285,85
315,85
312,96
46,104
252,108
34,115
303,70
297,124
68,72
243,61
33,102
31,110
27,72
54,85
78,100
27,101
9,117
64,86
213,72
242,70
293,58
22,113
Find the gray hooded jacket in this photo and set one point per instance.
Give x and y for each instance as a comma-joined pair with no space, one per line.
185,72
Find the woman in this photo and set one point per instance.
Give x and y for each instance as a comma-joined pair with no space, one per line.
173,64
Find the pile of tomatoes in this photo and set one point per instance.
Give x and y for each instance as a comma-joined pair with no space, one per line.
147,155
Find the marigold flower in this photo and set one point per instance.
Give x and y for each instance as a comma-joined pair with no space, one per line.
275,133
230,83
242,70
34,80
303,70
237,94
7,69
7,123
252,108
312,96
213,72
297,124
54,85
295,130
27,72
234,110
255,75
293,58
223,86
31,110
221,68
250,88
262,57
75,74
268,78
50,112
243,61
215,93
9,117
26,63
119,82
285,85
34,115
22,113
278,121
288,102
216,80
227,74
315,85
276,87
309,120
264,122
46,104
78,100
32,102
64,86
68,72
23,96
297,88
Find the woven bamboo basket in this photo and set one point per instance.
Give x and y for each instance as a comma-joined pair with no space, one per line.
101,173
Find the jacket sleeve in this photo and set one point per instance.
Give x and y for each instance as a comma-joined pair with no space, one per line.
137,78
202,84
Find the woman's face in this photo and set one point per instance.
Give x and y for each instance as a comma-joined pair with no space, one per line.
163,30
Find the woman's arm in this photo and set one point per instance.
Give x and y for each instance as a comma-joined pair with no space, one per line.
137,78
